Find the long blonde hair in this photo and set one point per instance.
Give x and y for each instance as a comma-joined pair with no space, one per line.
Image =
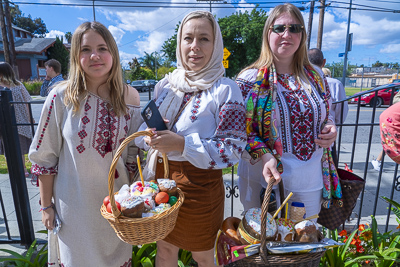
300,58
76,85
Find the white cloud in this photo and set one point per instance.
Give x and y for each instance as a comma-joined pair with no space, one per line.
391,48
117,33
152,43
243,8
55,33
126,57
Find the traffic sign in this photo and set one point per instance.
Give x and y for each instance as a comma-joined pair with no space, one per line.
225,63
226,53
341,54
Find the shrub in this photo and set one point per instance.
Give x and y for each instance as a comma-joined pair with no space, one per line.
33,87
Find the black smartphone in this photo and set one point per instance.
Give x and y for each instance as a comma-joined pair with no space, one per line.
152,116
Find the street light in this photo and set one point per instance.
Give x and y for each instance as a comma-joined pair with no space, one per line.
347,47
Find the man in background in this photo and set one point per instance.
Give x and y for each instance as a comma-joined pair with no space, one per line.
336,88
53,76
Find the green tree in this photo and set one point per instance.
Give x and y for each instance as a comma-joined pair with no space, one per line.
336,69
242,35
151,61
169,46
162,71
35,26
377,64
60,53
137,72
68,36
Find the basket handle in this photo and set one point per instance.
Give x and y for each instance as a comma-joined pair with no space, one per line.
111,174
264,209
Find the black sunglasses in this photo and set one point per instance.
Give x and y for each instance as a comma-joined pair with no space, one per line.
293,28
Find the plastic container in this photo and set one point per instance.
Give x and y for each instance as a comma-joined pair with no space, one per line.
297,211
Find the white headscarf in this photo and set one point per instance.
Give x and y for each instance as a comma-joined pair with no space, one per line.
183,80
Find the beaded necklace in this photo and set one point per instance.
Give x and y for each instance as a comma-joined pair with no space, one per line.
285,83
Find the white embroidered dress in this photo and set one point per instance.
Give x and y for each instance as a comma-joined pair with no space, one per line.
78,150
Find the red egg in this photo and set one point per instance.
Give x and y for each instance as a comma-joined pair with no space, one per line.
162,197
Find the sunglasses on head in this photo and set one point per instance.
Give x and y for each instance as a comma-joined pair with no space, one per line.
280,28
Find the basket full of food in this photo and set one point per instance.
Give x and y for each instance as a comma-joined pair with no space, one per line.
261,239
145,211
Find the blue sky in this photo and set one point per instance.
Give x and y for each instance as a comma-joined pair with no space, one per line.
376,34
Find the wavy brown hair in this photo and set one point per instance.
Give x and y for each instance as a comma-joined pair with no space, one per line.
300,58
7,75
76,84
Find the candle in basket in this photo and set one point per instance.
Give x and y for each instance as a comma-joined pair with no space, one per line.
297,211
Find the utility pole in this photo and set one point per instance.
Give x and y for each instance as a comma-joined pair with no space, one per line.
211,2
310,20
347,46
4,34
10,35
321,25
94,12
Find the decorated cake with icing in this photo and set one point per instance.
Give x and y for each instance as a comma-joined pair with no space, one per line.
249,230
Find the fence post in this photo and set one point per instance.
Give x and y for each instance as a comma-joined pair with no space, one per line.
12,151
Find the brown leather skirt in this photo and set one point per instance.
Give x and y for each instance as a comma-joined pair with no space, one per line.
202,212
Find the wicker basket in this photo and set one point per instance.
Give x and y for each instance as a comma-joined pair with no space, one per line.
265,259
138,231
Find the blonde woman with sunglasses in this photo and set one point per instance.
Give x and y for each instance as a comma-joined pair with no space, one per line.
287,116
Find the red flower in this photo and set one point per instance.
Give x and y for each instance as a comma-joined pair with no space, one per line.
360,249
343,233
361,227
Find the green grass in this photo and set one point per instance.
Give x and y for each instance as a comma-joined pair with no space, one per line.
353,90
3,164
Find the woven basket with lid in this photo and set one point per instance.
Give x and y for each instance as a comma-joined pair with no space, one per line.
265,259
138,231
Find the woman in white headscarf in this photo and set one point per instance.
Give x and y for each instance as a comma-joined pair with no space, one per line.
205,116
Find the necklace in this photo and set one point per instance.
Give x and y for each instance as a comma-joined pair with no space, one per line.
283,80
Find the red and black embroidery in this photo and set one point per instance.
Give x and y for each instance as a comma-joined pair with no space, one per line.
232,121
85,120
245,86
106,129
196,106
40,170
51,109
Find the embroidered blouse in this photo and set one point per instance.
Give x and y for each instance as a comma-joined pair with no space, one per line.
213,125
300,114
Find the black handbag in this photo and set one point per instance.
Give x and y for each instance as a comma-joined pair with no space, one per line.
334,216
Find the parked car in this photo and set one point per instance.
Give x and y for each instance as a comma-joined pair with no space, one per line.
383,97
150,83
140,85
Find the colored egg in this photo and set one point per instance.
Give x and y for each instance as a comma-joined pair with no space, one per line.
172,200
161,197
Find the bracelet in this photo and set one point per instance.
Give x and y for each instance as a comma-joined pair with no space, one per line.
48,207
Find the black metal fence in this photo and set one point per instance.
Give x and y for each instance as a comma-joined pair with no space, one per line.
358,137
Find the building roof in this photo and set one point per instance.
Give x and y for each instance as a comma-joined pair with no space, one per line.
32,45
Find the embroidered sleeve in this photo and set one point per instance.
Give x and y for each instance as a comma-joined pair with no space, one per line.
47,142
224,148
245,86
